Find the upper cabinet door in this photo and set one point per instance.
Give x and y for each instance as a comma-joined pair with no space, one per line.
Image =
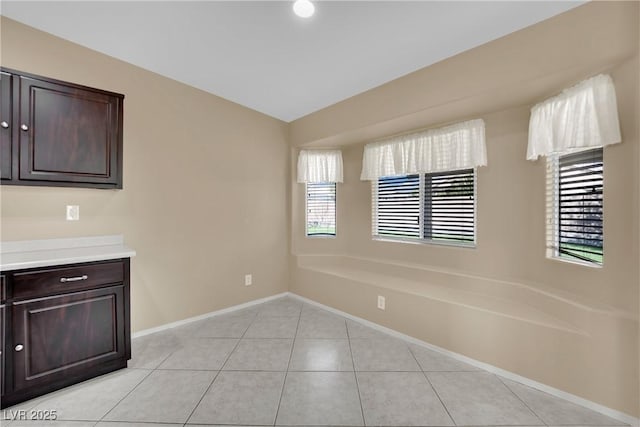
70,135
6,125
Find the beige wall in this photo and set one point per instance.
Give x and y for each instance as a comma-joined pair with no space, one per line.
511,213
490,77
599,359
205,186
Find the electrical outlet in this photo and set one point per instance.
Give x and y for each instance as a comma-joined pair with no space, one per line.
73,213
381,302
248,280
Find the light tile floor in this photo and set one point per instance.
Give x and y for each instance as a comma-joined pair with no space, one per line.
287,363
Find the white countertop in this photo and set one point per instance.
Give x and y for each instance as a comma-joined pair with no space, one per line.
17,255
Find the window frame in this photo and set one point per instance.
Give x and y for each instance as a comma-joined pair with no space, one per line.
421,240
553,212
306,213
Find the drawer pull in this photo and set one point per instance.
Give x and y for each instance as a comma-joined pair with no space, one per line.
19,347
74,279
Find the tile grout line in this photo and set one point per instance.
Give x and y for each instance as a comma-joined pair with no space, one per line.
623,419
343,371
431,385
253,321
355,373
40,400
130,391
157,368
521,400
220,370
284,383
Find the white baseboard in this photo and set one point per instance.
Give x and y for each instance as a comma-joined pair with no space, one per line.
617,415
206,315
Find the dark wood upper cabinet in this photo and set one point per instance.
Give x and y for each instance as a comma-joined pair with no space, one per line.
6,125
64,134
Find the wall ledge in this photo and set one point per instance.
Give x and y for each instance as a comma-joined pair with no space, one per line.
530,303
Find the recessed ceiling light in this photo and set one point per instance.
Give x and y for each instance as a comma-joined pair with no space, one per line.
303,8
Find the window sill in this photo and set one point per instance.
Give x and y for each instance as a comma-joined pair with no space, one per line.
575,262
320,236
425,242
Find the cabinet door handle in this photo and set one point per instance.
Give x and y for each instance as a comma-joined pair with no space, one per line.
4,124
19,347
24,127
74,279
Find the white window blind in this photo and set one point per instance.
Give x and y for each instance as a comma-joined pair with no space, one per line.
315,166
575,206
320,170
455,147
433,207
449,210
581,117
397,207
321,209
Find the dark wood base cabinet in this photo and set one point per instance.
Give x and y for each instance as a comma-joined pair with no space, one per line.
62,325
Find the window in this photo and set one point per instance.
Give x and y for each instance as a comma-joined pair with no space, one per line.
321,209
432,207
574,206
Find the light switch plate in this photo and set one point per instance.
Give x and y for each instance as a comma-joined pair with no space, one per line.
248,279
382,302
73,213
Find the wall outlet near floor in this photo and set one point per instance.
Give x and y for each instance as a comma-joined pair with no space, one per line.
382,302
248,279
73,213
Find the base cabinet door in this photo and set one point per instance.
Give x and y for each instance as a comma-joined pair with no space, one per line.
2,345
58,339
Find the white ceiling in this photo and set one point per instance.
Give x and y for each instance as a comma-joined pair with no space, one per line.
259,54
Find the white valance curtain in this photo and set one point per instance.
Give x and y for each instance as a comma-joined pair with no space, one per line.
315,166
459,146
581,117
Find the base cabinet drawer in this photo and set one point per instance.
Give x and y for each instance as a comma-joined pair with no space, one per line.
66,279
